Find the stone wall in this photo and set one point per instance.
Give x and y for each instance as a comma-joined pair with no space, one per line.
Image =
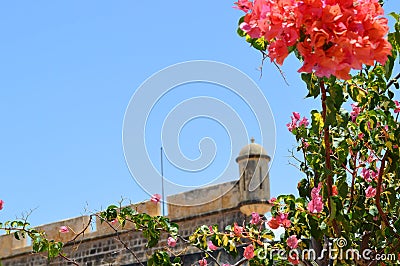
100,245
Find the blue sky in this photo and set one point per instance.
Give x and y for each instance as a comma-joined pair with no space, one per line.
68,71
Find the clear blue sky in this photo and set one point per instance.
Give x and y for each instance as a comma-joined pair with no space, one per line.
67,72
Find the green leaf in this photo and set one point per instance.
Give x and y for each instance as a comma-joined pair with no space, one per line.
16,235
373,210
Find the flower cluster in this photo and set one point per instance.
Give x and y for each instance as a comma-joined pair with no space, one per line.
296,122
316,205
369,174
280,220
355,111
331,36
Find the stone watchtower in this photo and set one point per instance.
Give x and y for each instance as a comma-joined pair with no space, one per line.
254,187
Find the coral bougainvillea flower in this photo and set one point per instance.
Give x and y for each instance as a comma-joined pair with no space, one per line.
335,191
293,259
331,36
1,204
292,242
273,223
238,230
249,252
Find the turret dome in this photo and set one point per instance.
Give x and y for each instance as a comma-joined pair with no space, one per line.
252,150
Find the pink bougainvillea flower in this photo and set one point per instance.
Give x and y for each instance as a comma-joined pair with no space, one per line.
290,126
1,204
249,252
292,242
304,122
171,242
203,262
306,144
115,221
63,229
283,220
366,174
296,116
272,200
286,223
255,218
316,190
397,109
316,205
355,111
226,264
156,198
211,229
296,122
369,174
386,128
370,192
238,230
211,246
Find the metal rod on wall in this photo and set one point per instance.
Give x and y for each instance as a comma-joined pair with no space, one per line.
162,182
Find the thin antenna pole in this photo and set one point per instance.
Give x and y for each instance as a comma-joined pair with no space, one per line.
162,182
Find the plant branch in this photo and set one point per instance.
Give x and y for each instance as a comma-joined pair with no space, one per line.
68,259
121,241
353,179
378,195
329,178
207,252
393,80
240,262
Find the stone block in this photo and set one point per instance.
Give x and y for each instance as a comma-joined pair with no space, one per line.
75,226
9,245
216,198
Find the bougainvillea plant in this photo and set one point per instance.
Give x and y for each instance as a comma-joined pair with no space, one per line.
348,208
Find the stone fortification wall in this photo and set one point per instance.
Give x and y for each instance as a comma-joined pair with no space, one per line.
100,245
